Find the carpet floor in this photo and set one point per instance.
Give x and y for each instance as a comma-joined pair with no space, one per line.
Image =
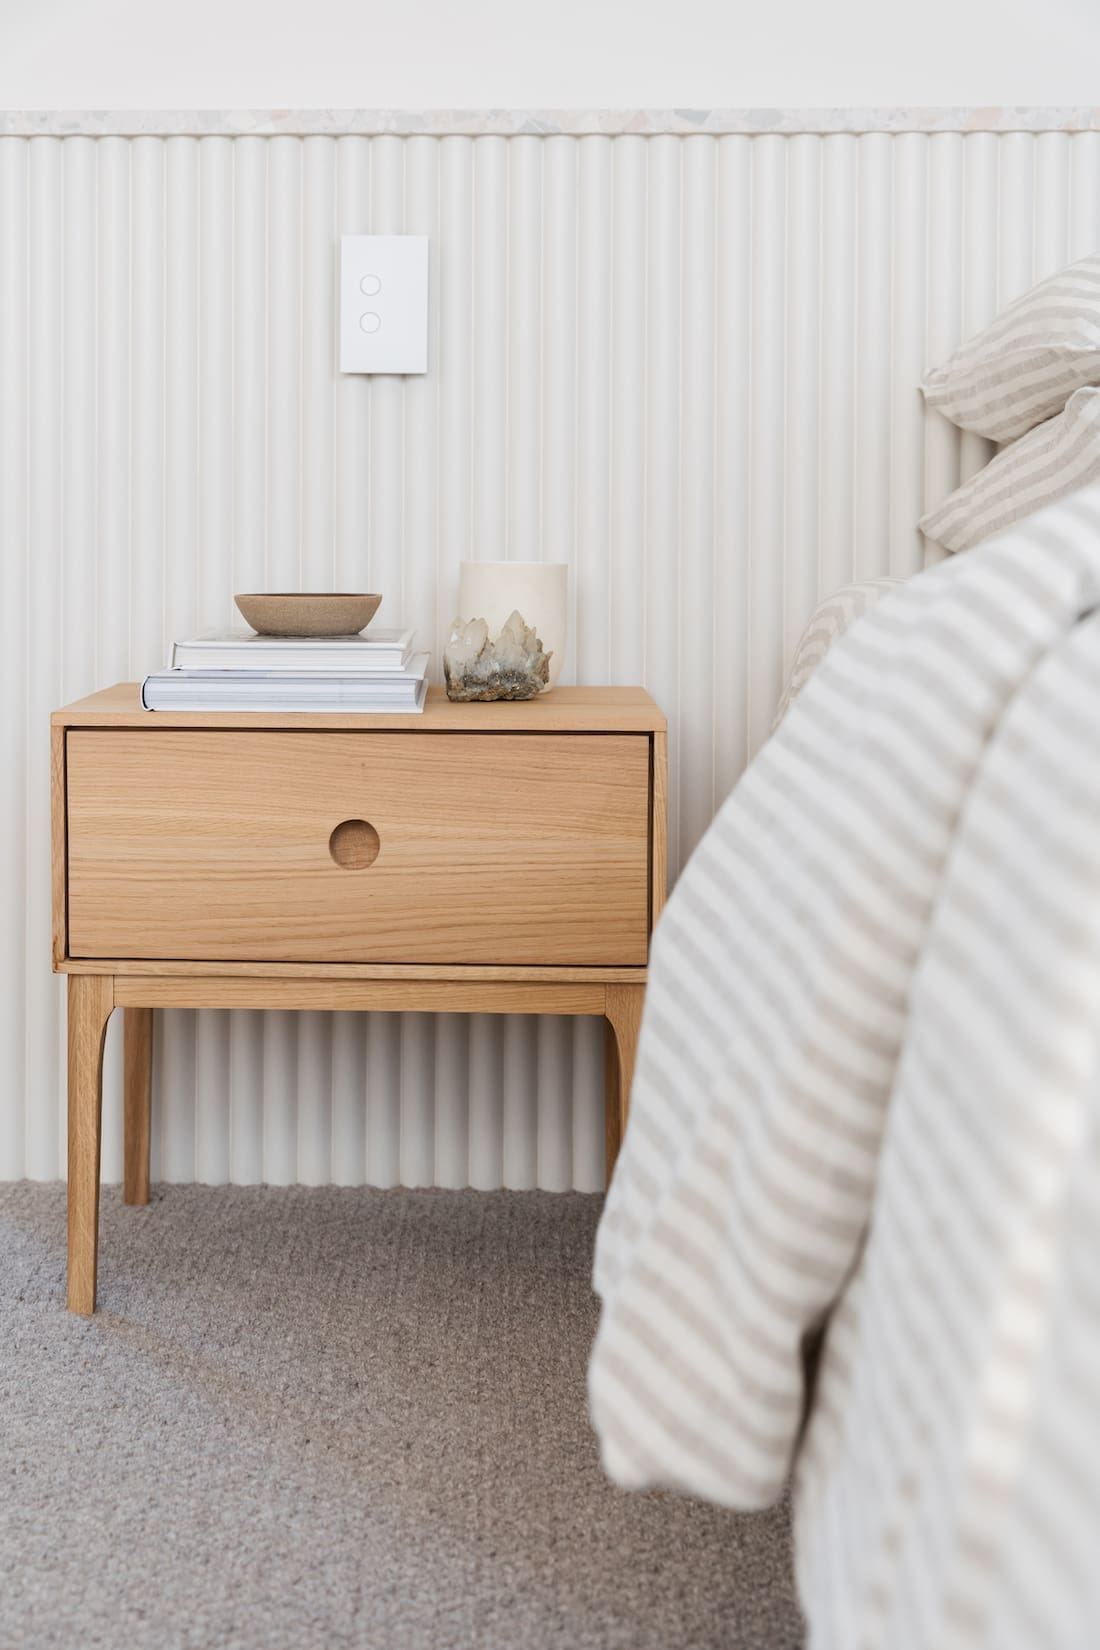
334,1417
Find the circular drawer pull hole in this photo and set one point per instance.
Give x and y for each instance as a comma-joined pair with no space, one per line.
354,844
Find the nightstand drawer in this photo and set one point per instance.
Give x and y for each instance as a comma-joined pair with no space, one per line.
470,848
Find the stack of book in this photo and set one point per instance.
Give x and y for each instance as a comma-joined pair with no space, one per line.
236,670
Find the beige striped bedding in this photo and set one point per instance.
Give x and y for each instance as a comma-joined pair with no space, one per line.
868,1094
1023,368
829,622
1045,464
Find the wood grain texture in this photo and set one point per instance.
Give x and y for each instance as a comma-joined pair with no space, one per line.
411,996
563,710
137,1091
494,849
91,999
623,1009
58,885
658,868
355,971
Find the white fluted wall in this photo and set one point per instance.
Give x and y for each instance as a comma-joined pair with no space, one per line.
685,364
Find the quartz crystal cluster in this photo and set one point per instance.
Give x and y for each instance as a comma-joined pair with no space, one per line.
513,665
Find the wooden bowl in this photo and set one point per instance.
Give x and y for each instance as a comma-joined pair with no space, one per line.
292,613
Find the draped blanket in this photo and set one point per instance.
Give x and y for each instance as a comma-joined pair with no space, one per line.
867,1099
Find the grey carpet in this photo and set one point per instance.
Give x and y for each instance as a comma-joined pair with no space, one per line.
318,1418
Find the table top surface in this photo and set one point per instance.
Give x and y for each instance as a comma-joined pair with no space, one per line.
561,710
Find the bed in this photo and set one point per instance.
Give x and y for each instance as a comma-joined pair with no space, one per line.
851,1240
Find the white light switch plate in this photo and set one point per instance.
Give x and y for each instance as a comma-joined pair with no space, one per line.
384,303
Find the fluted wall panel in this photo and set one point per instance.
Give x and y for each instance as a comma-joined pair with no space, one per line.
686,364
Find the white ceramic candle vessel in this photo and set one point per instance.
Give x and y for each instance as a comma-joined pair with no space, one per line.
493,590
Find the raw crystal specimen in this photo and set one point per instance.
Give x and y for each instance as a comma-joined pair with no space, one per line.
512,666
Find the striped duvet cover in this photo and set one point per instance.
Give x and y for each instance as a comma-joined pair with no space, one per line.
868,1097
828,624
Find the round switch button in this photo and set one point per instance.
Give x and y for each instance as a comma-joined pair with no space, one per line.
370,322
371,285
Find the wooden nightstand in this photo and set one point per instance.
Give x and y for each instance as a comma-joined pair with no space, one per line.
480,858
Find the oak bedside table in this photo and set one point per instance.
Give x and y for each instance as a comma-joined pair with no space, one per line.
498,858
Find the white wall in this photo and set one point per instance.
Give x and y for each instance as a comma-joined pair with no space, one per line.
686,365
571,54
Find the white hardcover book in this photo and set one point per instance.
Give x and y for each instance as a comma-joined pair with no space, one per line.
320,692
243,650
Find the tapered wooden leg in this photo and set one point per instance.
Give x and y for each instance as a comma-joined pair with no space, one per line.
137,1087
91,999
623,1012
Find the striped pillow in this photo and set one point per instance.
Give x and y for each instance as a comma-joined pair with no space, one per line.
1047,463
827,625
1023,368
